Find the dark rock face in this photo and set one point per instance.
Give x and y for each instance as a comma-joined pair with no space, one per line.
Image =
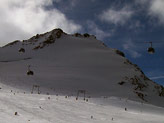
120,53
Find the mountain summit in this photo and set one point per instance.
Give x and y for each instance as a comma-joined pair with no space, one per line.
68,63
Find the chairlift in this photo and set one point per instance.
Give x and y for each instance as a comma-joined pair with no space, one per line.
151,50
29,72
21,50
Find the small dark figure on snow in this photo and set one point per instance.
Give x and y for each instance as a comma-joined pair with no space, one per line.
16,113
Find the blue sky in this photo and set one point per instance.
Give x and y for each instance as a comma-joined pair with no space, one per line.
122,24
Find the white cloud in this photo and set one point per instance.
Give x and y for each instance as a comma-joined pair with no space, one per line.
136,26
116,16
73,2
57,1
131,48
142,1
157,77
94,29
157,9
21,19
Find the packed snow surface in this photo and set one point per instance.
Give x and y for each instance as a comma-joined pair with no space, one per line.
39,108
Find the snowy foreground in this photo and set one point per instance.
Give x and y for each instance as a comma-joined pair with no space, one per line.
39,108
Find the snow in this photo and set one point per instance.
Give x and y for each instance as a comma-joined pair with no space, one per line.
39,109
62,68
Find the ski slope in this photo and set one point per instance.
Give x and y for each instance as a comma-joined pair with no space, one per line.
35,108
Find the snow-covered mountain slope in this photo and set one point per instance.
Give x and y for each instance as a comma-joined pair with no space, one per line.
64,64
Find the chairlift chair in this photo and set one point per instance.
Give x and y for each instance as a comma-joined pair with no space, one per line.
21,50
29,72
151,50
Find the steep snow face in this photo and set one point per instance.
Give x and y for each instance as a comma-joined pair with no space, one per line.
68,63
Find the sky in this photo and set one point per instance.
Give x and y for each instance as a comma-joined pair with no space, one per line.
123,24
